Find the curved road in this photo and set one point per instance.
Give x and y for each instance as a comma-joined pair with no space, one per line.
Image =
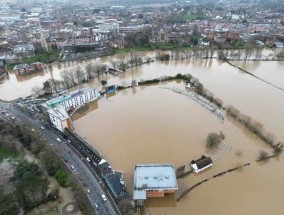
94,187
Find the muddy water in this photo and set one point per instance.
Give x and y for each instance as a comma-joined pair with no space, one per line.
157,125
152,125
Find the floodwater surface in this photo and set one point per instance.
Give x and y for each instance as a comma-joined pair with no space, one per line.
153,125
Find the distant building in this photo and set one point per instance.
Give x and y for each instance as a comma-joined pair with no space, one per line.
153,180
201,164
23,48
23,69
59,118
109,26
74,99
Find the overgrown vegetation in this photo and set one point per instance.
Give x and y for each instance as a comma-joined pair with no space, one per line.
62,178
213,140
30,179
13,137
126,207
256,128
48,57
263,155
31,185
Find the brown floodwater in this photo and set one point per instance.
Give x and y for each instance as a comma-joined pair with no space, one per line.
154,125
150,125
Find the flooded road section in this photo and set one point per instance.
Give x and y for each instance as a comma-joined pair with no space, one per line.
153,125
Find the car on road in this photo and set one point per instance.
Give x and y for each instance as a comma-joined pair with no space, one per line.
72,167
104,197
58,140
42,128
96,205
88,191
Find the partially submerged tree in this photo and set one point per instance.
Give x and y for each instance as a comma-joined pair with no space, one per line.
262,155
214,139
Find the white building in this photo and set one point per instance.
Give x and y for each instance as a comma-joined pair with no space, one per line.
57,107
74,99
59,118
109,26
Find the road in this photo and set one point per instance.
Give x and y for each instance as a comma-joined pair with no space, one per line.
72,157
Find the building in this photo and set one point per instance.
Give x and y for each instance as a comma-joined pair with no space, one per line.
24,69
153,180
59,118
201,164
109,26
74,99
57,108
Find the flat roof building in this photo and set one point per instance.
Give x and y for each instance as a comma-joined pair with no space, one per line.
153,180
74,99
59,118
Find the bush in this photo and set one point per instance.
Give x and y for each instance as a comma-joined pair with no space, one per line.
61,178
263,155
213,140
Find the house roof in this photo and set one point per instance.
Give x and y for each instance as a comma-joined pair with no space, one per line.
202,162
113,181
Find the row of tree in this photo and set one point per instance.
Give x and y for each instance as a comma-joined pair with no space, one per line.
256,128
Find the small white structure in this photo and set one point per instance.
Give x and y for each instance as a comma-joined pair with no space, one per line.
201,164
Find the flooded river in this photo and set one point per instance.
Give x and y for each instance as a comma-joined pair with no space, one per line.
152,125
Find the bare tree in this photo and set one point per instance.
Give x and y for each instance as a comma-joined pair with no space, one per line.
89,71
258,53
67,78
37,91
247,52
114,64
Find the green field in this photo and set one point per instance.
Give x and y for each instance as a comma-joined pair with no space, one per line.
190,17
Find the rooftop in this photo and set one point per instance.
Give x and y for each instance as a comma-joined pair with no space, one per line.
59,112
58,100
153,177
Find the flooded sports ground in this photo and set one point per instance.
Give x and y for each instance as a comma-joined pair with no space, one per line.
152,124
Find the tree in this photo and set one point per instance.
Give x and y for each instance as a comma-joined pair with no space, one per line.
8,204
126,207
50,162
248,51
37,91
89,71
263,155
31,186
213,140
61,178
51,85
104,82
